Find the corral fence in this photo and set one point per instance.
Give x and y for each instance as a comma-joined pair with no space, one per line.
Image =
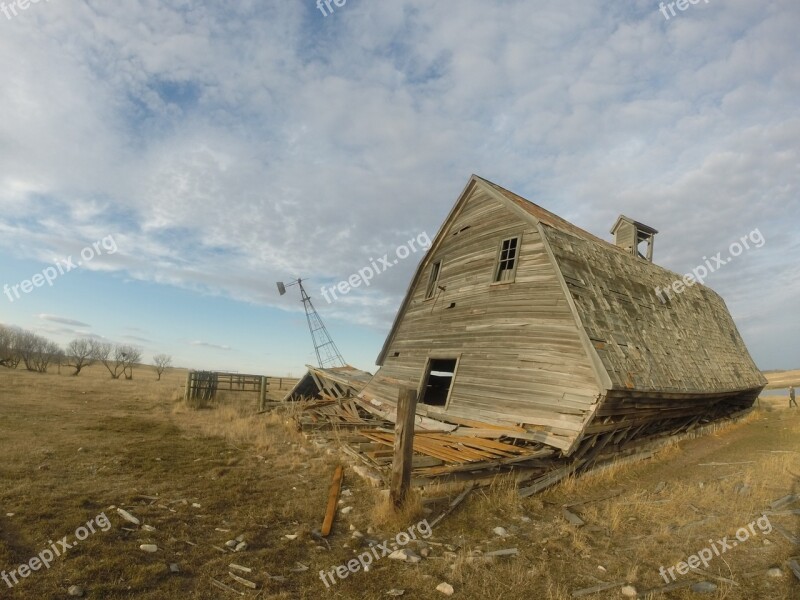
202,386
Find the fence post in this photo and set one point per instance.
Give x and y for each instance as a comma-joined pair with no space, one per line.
262,395
188,385
403,446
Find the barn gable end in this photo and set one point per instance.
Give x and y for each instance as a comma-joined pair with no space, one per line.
520,354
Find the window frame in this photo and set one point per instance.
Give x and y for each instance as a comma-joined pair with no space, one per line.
433,284
499,260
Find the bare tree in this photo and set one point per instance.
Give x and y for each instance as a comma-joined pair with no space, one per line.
26,346
45,352
110,356
81,353
162,362
131,356
9,357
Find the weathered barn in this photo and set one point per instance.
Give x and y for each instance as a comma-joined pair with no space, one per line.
520,321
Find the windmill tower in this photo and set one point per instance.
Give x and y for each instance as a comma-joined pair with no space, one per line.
328,354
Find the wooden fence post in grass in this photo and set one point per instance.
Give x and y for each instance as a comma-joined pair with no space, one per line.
188,386
262,394
403,446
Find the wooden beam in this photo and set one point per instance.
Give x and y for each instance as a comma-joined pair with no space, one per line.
403,446
333,498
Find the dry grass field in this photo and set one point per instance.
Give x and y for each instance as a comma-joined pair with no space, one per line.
74,448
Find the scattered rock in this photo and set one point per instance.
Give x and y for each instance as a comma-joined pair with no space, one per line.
629,591
774,572
406,555
704,587
195,505
149,547
174,568
525,519
9,514
239,538
662,485
240,547
501,531
445,588
742,489
394,592
231,544
291,536
601,568
75,590
357,535
425,552
148,528
346,510
128,516
572,518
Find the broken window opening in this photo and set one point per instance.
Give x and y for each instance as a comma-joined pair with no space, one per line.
438,381
433,280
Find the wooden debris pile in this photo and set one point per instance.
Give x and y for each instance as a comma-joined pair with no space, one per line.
466,452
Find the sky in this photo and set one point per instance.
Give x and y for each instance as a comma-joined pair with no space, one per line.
199,152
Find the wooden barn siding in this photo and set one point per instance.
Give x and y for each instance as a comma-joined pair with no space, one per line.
690,346
521,357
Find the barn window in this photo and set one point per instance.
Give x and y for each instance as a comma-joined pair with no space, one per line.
433,280
507,260
438,381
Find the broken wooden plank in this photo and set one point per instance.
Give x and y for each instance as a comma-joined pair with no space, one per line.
333,498
550,478
227,588
459,499
505,552
781,502
795,567
787,534
236,567
712,576
243,581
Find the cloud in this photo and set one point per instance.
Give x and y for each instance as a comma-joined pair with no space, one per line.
62,320
210,345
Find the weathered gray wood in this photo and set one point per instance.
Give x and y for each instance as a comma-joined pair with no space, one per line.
403,446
